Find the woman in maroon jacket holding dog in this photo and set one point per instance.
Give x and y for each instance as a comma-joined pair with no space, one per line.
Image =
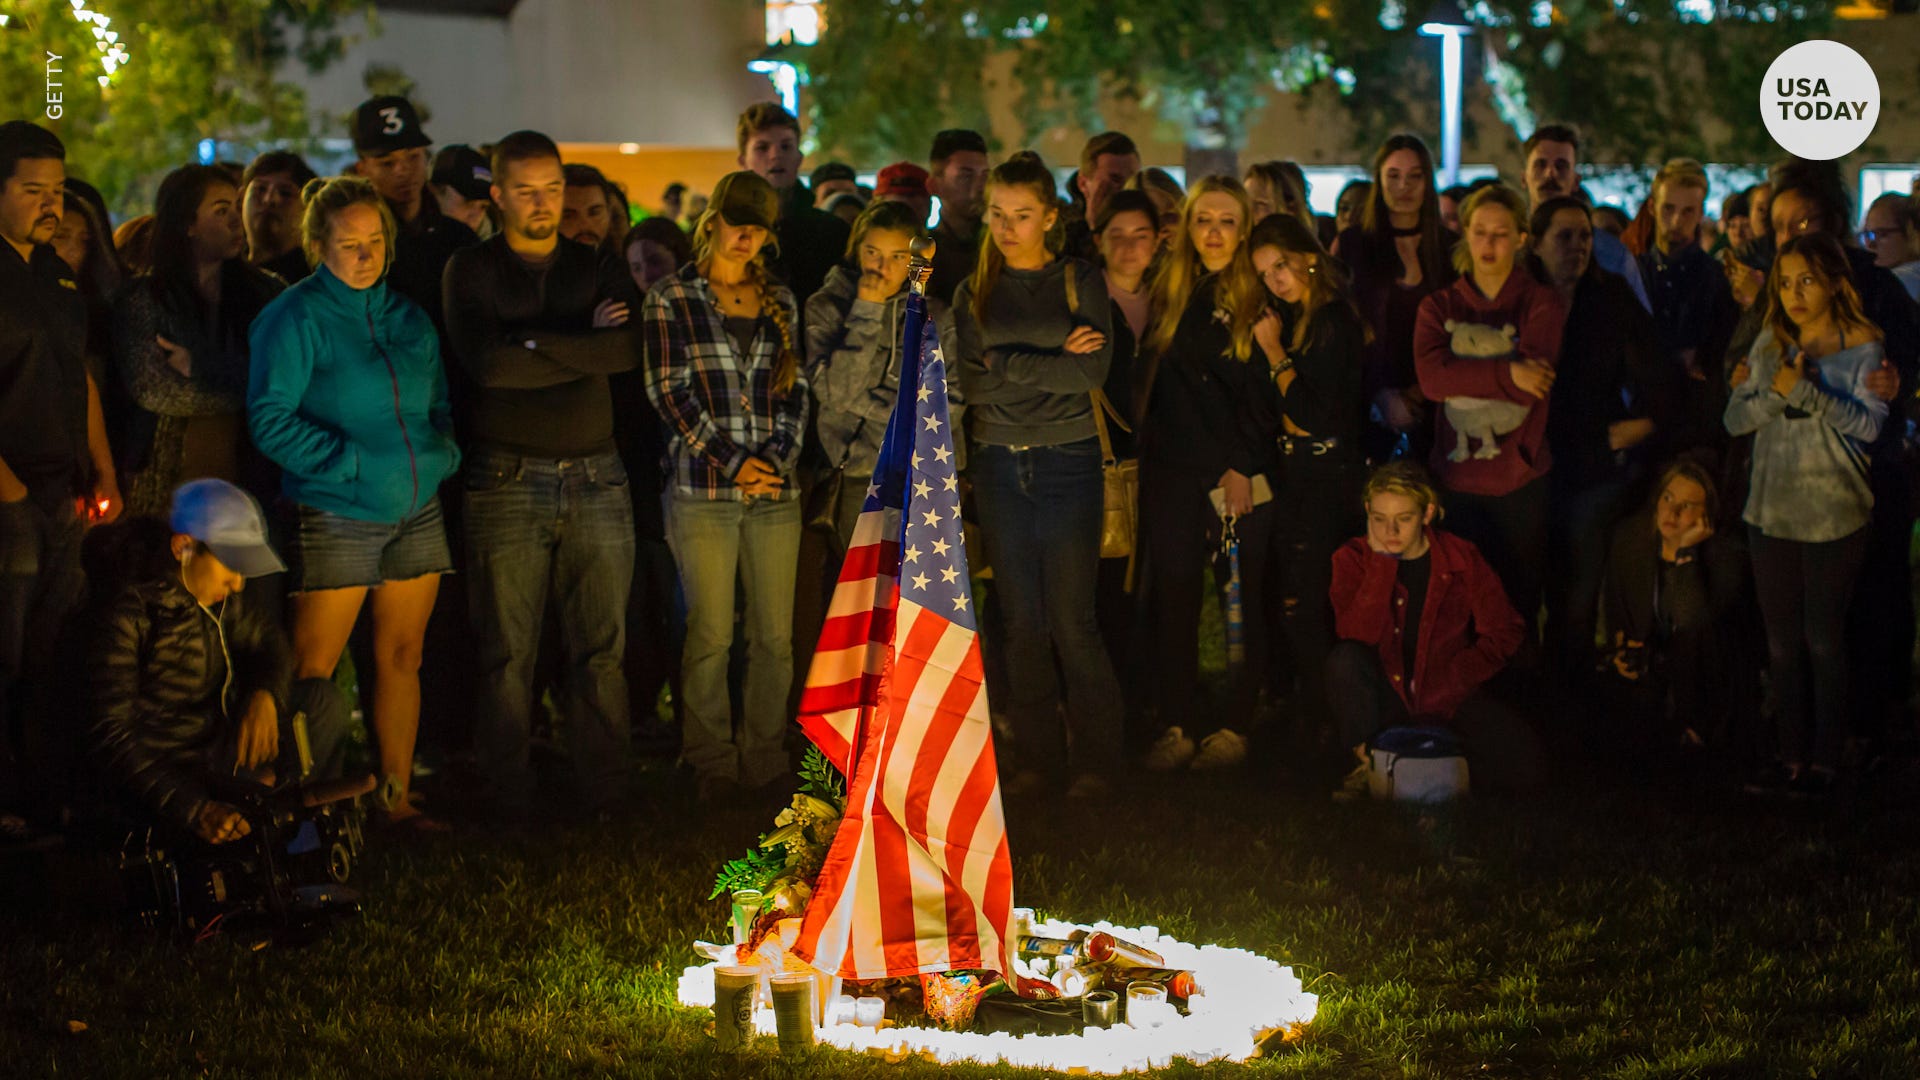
1423,624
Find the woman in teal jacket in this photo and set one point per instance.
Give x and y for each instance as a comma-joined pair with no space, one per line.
348,396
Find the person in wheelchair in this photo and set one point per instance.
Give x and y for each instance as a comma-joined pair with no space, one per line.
190,688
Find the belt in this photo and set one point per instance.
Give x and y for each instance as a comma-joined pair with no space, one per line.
1291,445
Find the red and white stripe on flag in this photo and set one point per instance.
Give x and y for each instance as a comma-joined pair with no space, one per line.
919,878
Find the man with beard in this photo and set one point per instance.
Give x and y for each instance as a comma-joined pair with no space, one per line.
594,212
958,178
393,155
539,322
53,441
271,210
1552,154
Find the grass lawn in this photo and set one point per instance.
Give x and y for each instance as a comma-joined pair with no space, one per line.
1624,934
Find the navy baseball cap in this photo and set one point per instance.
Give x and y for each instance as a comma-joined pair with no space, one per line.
385,124
461,168
229,522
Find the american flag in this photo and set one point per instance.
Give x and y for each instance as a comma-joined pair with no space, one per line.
918,878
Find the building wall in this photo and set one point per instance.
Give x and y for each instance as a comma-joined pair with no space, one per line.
584,71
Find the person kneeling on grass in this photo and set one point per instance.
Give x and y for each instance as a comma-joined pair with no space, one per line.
1423,624
186,682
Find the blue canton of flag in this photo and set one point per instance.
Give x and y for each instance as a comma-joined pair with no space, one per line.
933,563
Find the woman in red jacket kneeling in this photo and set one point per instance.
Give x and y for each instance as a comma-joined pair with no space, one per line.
1423,623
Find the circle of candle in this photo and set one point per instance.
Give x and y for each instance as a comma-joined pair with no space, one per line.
733,990
1144,1002
870,1011
1100,1008
793,1011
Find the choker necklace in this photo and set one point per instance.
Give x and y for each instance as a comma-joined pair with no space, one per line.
1397,231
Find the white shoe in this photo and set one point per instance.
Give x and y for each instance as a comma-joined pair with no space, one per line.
1171,751
1221,750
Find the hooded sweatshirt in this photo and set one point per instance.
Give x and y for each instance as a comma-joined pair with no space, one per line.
1537,315
348,396
853,368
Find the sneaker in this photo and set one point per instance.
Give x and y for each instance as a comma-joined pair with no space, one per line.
1354,786
1221,750
1171,751
1811,784
1089,786
1770,780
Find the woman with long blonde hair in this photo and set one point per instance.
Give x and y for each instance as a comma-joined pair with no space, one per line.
1035,334
1207,432
723,369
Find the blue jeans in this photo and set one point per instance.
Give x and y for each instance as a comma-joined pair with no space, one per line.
1041,508
715,542
540,529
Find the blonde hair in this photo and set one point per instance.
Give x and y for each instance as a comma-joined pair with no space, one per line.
786,364
1239,294
325,197
1408,480
1497,195
1683,172
1024,169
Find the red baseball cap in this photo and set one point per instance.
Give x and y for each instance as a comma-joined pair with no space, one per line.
900,179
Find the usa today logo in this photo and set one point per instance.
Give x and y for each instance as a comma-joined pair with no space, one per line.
1820,100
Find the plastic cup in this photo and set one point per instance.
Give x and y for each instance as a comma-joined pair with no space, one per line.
870,1011
733,991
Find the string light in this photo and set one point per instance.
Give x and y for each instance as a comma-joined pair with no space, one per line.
113,55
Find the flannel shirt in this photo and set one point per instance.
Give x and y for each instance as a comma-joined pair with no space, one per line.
719,408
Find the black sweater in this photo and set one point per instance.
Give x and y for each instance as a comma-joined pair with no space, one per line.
525,334
1327,398
1208,412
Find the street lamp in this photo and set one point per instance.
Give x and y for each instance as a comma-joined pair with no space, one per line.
1446,21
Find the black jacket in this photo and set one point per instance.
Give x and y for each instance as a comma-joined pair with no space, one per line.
1611,368
1697,594
525,336
811,243
162,693
1328,395
1207,411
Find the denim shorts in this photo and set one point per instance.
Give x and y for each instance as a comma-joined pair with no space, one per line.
327,551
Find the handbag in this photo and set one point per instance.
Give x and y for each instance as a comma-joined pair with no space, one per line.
1417,764
1121,481
821,512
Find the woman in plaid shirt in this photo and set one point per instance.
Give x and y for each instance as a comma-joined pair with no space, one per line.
723,369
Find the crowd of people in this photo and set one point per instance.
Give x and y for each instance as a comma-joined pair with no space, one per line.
1444,456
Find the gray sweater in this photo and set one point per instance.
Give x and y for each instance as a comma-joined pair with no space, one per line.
1022,388
853,368
1809,479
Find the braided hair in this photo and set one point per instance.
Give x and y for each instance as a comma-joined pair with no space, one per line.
786,363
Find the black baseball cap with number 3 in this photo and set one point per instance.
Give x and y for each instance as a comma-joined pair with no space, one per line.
386,124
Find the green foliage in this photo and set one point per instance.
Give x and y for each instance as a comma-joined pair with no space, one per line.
198,69
820,779
1641,80
754,870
